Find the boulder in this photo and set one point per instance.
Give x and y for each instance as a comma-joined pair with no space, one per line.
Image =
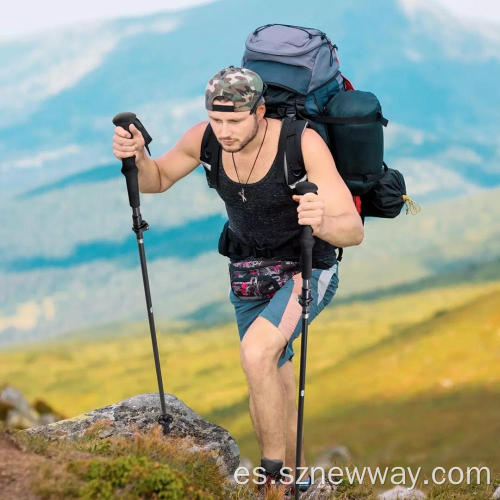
142,412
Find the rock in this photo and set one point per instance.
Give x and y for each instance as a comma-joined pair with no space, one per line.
42,408
246,462
401,493
47,418
325,459
5,406
17,420
17,413
496,494
21,406
319,490
142,411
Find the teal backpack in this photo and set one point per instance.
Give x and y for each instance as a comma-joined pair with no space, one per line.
301,70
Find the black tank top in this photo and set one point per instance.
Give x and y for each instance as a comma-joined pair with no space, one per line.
268,219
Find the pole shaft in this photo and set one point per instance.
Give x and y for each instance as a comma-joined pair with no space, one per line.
300,413
152,328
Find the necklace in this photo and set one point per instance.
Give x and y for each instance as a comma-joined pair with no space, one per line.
242,192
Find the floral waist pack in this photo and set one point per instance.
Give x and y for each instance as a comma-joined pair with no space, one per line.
255,279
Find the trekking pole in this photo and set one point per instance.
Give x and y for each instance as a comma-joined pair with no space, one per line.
306,243
130,171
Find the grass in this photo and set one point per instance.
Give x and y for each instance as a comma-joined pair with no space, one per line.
408,380
149,465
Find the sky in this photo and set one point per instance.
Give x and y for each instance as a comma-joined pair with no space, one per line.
49,14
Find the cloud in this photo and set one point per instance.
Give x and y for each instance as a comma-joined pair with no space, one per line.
397,134
413,55
50,63
160,26
461,37
54,14
54,62
171,116
461,154
188,107
28,314
40,158
428,177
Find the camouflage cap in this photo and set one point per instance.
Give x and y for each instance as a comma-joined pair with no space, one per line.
240,85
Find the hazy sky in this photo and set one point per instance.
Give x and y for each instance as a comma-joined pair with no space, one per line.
24,17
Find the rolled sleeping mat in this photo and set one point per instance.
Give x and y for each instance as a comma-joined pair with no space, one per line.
355,130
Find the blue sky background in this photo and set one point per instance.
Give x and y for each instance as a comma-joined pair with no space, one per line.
26,17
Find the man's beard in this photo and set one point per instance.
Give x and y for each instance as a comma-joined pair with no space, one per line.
250,137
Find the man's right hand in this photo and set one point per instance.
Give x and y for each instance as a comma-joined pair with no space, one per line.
125,146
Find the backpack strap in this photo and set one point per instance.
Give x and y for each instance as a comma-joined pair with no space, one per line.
293,161
210,156
294,167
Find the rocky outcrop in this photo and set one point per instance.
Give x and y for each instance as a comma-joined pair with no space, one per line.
141,412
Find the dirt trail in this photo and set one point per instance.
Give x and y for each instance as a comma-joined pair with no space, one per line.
16,470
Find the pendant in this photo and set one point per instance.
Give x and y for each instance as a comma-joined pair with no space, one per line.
242,194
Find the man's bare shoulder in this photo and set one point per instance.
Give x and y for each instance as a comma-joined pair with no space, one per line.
311,138
313,146
196,131
190,142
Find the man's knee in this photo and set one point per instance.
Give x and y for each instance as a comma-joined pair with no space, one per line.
262,345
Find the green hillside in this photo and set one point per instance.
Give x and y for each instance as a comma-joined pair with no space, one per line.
403,380
447,239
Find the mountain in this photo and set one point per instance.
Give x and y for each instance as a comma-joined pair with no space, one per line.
436,80
101,282
68,258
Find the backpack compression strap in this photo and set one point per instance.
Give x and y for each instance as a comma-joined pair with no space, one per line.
210,156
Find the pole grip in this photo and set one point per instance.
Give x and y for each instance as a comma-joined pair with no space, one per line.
130,171
306,237
129,168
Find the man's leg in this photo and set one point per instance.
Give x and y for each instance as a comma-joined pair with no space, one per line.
262,388
288,377
254,418
261,348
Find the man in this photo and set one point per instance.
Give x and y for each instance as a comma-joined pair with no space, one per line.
263,213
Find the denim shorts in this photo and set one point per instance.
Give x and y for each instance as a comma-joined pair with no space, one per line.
283,310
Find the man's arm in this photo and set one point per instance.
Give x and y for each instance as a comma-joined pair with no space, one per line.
182,159
331,213
158,175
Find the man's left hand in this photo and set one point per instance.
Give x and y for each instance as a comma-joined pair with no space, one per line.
311,210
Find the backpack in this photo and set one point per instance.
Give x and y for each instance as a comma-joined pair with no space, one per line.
301,70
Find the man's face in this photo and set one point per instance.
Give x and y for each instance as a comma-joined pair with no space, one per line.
233,130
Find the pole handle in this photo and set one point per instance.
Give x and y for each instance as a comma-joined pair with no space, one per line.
129,167
306,237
